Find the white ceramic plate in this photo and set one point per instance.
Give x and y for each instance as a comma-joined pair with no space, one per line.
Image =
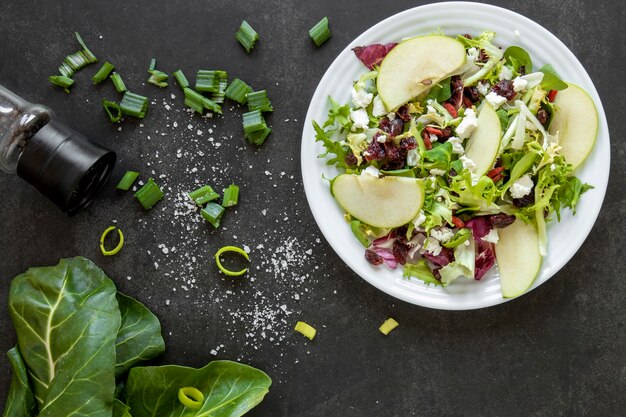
452,18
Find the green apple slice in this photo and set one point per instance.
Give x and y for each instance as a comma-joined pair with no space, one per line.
519,260
380,202
483,145
415,65
576,121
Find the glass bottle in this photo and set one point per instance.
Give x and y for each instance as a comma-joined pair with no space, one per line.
62,164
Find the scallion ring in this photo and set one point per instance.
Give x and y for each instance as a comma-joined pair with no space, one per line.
191,397
231,249
119,245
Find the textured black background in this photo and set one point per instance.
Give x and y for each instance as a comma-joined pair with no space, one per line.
558,351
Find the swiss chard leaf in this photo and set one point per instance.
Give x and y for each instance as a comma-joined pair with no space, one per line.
20,401
518,58
120,409
230,389
66,318
551,80
139,337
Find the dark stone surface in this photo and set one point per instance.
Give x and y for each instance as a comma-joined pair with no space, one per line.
558,351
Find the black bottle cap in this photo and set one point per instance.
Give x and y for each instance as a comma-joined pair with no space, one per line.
65,166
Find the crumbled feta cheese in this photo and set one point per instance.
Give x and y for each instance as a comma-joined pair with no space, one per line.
361,98
468,163
521,187
412,157
432,245
391,116
381,138
553,167
436,171
419,219
378,108
483,88
472,55
492,236
372,171
467,125
443,234
433,138
457,146
495,99
359,118
505,73
519,84
517,34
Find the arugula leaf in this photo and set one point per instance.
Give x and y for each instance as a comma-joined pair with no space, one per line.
332,147
66,318
440,91
518,57
420,271
139,337
20,401
230,389
551,80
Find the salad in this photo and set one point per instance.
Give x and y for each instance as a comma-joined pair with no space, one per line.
455,153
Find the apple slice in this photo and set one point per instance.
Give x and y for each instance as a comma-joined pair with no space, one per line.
380,202
576,121
519,260
483,145
415,65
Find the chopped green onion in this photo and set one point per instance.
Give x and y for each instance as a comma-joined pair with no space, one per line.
127,180
388,326
181,79
152,66
231,196
90,56
258,100
149,194
113,110
237,91
212,213
259,136
207,81
191,397
103,72
198,102
246,36
219,95
119,246
253,121
203,195
320,32
234,249
306,330
158,78
134,105
61,81
120,87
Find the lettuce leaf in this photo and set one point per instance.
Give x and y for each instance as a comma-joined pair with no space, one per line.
463,265
420,271
332,148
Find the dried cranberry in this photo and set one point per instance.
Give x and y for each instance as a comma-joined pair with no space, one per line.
501,220
505,89
400,252
542,116
522,70
467,36
373,258
351,159
527,200
374,152
472,94
456,88
403,113
408,143
395,156
482,56
445,133
391,127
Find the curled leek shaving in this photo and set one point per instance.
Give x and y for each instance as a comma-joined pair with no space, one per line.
119,245
190,397
231,249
